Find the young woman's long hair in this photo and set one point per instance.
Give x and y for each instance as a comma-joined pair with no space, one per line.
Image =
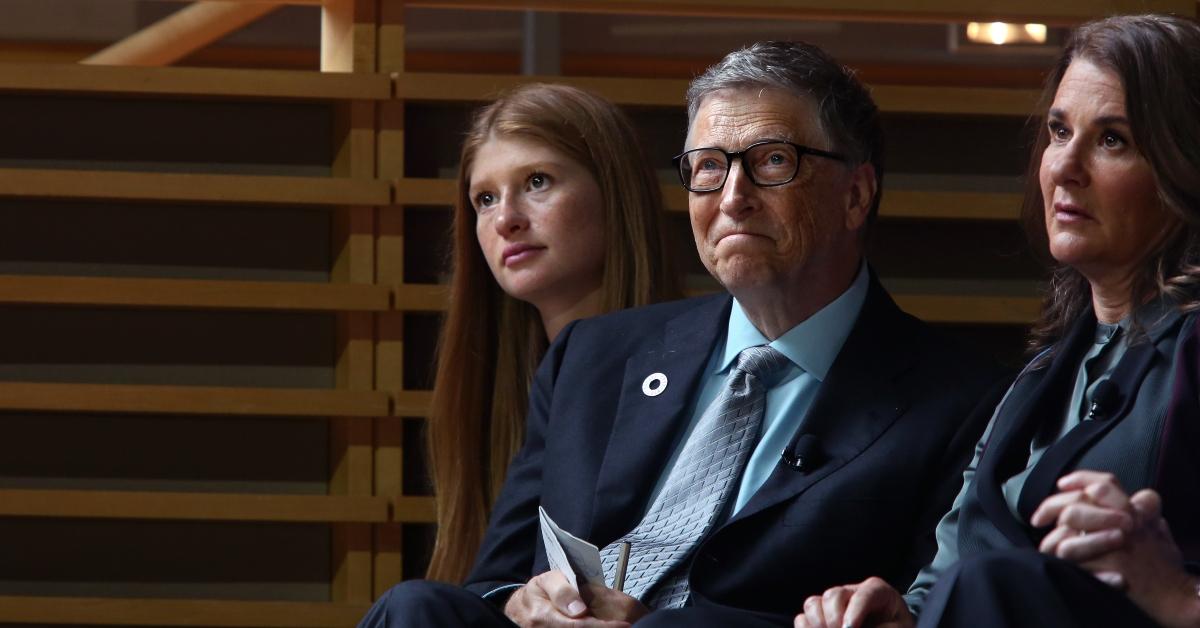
1157,58
491,343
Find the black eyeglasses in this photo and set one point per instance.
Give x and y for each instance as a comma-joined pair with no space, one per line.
767,164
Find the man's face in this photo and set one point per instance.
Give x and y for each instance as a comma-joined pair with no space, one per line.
752,237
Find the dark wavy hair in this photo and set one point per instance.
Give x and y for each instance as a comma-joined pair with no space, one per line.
1157,59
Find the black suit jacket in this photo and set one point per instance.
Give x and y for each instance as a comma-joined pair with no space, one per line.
893,421
1147,436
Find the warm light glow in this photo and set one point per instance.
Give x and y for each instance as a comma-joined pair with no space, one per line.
1037,32
1000,33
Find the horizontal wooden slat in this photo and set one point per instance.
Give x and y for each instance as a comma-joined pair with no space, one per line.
950,205
213,188
1058,12
191,293
413,510
207,400
1012,310
420,297
166,612
455,87
913,204
203,82
990,101
896,203
670,93
412,403
940,308
191,506
414,191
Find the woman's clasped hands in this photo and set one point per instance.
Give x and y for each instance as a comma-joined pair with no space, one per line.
1122,540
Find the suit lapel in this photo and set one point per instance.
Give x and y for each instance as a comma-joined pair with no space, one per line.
856,403
1008,450
647,428
1127,377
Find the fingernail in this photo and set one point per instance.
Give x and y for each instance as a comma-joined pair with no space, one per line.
576,608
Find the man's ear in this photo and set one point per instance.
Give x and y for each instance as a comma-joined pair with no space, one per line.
860,195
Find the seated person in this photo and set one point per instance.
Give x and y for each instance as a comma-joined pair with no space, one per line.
1044,531
557,217
794,432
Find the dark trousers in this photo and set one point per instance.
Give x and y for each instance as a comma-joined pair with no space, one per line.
420,603
425,604
1026,588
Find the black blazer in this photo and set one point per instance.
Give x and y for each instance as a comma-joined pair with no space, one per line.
893,421
1148,438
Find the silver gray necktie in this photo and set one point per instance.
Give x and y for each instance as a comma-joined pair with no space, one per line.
698,485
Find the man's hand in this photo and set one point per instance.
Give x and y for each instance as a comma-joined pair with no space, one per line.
549,601
872,602
1123,541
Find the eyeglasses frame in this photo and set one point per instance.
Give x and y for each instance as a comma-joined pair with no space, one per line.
801,151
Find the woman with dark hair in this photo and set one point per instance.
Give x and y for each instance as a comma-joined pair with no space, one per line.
557,217
1082,505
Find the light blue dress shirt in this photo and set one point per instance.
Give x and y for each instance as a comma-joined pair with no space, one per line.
811,347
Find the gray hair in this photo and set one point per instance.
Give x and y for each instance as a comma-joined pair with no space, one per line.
846,112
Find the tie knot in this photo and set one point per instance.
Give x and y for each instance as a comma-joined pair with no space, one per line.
761,361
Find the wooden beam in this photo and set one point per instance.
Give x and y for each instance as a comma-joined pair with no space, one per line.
166,612
413,510
431,86
181,33
205,82
191,400
1063,12
192,293
413,403
348,35
96,504
299,3
945,308
451,87
212,188
1012,310
988,101
413,297
414,191
912,204
896,204
950,205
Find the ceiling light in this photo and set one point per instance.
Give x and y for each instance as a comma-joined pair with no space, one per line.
1000,33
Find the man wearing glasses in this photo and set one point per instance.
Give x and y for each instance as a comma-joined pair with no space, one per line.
754,447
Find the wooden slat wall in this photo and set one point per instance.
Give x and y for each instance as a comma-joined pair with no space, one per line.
369,196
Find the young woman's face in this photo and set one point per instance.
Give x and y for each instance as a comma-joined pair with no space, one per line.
539,221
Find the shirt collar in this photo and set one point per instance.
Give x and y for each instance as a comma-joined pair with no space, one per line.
814,343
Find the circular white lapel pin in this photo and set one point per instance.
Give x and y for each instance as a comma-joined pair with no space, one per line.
654,384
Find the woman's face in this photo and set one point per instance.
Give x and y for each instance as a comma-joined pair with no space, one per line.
539,220
1103,214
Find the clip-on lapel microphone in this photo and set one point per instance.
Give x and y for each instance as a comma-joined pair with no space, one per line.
1104,399
803,454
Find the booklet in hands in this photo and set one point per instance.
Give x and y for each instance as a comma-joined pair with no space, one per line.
574,557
